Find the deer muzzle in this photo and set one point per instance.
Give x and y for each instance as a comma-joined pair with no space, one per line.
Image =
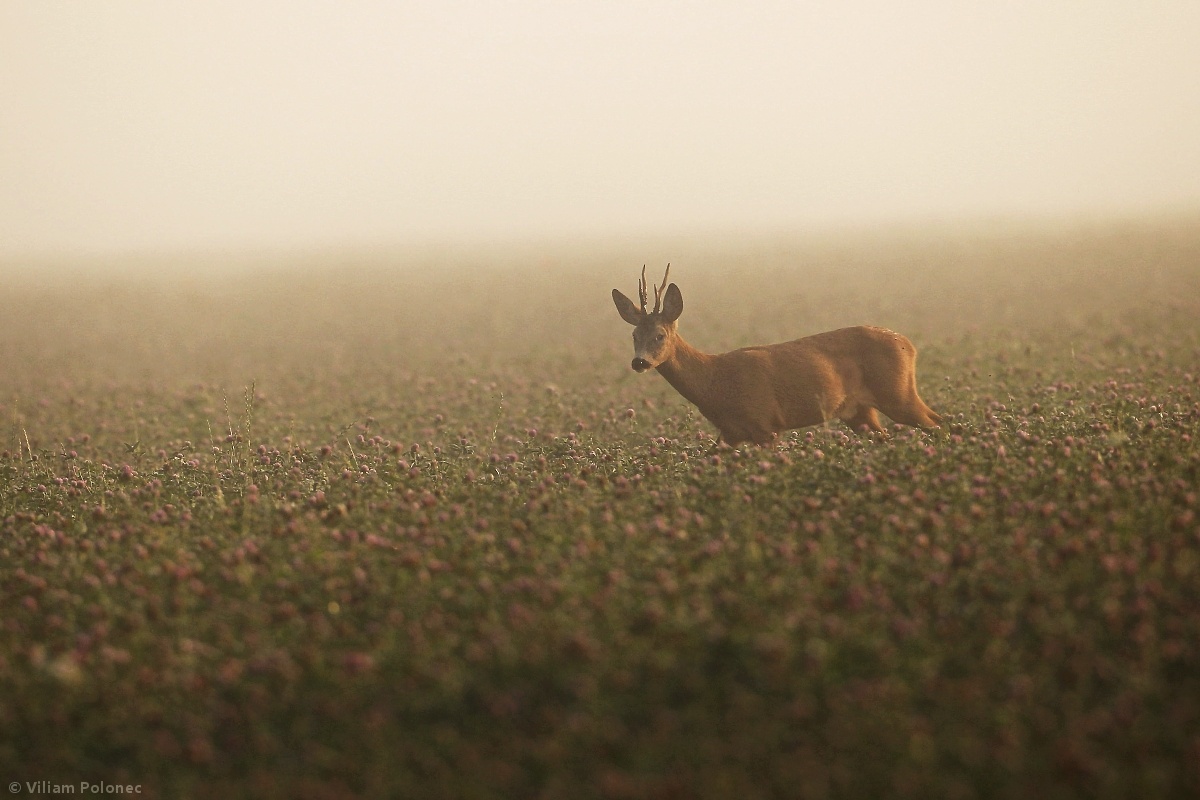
640,365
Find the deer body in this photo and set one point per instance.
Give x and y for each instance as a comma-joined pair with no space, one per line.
753,393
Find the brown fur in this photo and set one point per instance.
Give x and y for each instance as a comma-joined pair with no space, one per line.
754,393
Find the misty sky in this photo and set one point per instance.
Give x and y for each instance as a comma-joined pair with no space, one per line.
161,125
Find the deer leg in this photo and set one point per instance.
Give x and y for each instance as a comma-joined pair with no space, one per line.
905,406
865,417
914,413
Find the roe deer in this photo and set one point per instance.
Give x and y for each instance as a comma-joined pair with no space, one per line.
753,393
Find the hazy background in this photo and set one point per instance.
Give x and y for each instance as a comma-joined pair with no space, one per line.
149,127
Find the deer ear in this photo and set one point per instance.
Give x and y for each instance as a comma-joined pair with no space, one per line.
672,305
625,307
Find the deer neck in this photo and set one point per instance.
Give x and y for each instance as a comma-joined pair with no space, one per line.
689,371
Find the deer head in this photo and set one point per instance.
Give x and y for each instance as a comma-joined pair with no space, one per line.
654,332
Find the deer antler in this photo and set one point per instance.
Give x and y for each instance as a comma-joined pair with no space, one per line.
658,290
642,288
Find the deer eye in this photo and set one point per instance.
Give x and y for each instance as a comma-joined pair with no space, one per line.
660,337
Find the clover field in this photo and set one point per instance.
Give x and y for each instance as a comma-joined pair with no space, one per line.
409,526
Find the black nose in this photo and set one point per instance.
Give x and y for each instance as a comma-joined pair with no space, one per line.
640,365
